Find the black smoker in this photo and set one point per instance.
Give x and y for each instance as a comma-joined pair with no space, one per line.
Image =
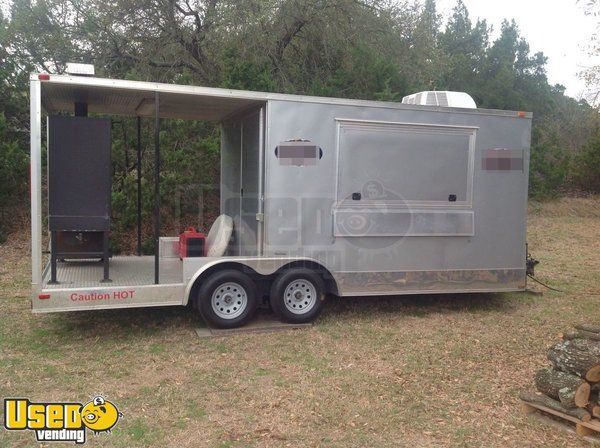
79,184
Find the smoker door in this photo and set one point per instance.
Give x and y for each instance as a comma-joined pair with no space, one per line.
79,173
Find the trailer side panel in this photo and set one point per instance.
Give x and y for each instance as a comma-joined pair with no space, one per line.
401,201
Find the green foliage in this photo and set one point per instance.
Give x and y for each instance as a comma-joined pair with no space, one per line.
189,153
14,160
587,165
549,167
14,174
13,166
363,75
244,74
464,46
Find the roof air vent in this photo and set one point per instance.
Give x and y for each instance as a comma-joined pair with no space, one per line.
441,99
80,69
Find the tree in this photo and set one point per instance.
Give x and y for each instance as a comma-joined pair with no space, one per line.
587,163
464,46
14,127
513,79
591,75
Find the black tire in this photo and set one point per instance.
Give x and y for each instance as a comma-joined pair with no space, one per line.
297,295
227,313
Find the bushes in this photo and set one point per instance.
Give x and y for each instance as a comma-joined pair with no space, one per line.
548,170
14,175
553,170
587,165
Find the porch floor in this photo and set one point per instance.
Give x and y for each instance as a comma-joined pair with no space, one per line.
124,271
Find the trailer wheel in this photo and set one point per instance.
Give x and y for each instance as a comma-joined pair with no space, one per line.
227,299
297,295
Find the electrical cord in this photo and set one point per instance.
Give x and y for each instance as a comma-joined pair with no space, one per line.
543,284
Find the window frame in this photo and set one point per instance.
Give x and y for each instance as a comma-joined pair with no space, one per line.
469,131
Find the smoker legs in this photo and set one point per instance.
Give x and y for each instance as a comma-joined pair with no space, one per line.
105,257
53,258
79,245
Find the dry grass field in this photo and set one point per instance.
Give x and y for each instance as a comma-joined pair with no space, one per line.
405,371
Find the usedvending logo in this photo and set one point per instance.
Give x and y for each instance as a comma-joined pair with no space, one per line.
60,422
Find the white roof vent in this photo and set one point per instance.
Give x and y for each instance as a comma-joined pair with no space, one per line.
74,68
441,98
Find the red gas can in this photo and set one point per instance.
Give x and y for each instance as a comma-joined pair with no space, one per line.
191,243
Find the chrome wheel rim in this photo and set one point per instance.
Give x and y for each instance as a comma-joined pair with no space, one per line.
229,300
300,296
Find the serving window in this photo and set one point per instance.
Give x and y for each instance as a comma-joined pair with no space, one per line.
404,164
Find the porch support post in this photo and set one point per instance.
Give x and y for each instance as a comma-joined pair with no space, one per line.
36,185
156,186
139,186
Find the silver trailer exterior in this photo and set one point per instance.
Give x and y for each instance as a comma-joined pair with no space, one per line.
380,198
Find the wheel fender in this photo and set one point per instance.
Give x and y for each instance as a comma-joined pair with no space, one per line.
260,265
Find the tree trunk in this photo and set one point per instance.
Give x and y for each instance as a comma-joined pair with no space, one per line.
571,390
543,400
579,357
588,327
581,334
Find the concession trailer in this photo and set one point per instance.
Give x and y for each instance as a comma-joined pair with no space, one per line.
318,196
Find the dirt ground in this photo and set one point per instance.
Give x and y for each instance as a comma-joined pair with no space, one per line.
403,371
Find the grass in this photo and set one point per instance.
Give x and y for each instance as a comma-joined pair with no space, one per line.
402,371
